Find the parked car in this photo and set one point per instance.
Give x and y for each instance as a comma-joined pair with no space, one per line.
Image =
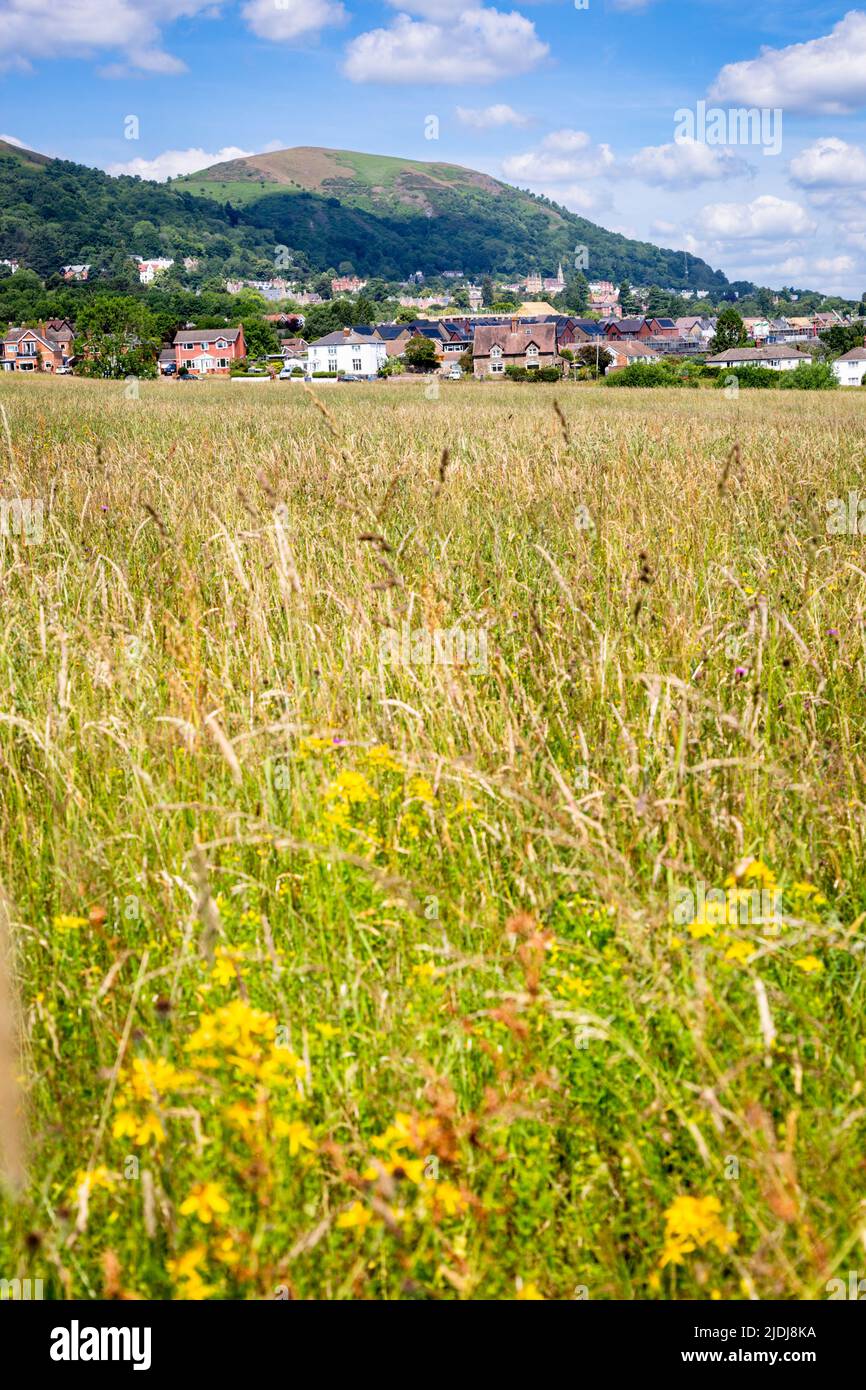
455,373
64,371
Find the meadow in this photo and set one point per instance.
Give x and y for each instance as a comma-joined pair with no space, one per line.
431,842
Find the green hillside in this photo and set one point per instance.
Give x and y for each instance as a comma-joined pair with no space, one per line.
388,217
425,216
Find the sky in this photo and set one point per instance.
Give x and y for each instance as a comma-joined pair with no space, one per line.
619,109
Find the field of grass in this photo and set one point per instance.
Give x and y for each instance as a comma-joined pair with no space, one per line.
365,760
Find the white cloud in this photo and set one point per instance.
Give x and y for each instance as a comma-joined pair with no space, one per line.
291,19
33,29
562,156
12,140
489,117
834,265
171,163
765,218
829,163
589,201
826,74
684,164
474,45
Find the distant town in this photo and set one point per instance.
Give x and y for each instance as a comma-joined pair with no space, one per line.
344,327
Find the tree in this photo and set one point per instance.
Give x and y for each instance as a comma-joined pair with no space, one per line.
730,332
575,297
260,337
586,356
487,290
116,336
627,298
365,310
420,354
842,337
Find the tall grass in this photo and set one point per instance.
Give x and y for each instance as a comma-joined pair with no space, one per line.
401,931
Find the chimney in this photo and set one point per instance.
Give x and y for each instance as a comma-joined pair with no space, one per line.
346,332
514,323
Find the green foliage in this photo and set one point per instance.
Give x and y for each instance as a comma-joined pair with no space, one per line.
116,336
420,354
750,375
806,376
842,337
643,374
730,332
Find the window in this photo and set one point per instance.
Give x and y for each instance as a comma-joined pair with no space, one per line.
222,361
356,364
332,351
532,350
26,349
496,367
496,350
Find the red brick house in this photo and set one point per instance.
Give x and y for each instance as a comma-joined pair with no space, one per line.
41,349
628,328
501,345
208,351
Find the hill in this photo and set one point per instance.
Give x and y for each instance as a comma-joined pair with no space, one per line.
387,216
392,216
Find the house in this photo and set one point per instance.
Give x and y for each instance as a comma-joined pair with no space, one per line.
208,351
148,270
292,349
347,284
850,368
13,265
695,329
395,336
781,358
661,328
628,351
514,344
758,329
166,362
36,349
347,353
476,294
75,272
628,328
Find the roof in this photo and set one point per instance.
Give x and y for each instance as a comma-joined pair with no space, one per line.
632,325
207,335
855,355
630,349
756,354
388,332
514,344
351,339
534,306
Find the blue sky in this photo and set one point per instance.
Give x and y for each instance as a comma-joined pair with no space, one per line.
578,99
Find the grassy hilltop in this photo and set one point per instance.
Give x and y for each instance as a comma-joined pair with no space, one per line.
345,971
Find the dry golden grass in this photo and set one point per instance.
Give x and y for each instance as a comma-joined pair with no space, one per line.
472,930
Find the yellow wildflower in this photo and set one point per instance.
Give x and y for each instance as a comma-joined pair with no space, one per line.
810,965
298,1135
64,922
356,1217
740,951
529,1293
205,1201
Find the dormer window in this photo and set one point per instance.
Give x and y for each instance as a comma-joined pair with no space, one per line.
496,350
532,350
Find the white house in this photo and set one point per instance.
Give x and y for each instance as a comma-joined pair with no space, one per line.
851,367
347,353
778,357
148,270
